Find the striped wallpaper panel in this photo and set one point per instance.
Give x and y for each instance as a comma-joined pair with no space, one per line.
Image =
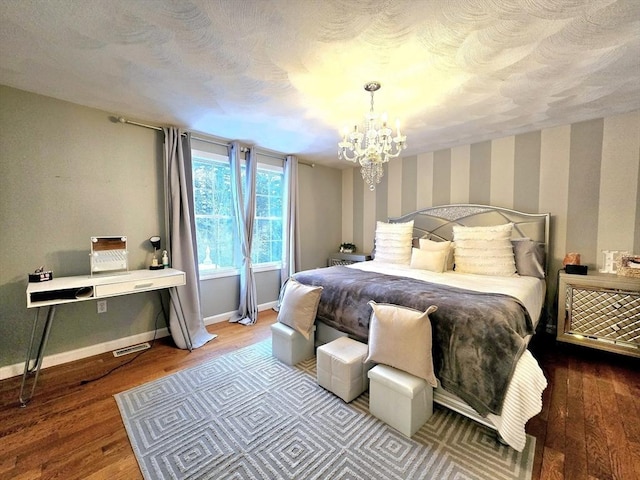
587,175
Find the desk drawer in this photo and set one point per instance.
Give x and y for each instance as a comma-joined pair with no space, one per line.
140,285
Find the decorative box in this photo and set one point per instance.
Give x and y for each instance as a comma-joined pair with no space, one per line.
629,266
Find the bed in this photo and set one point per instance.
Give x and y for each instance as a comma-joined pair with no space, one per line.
485,318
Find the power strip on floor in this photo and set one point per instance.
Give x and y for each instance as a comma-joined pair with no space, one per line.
131,349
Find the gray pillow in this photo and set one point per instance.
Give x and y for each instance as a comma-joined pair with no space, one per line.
529,256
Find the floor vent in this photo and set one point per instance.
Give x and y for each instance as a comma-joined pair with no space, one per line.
132,349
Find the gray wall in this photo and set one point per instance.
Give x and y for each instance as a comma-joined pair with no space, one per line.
68,173
587,175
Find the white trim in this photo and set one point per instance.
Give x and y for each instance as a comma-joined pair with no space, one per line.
84,352
235,272
223,317
100,348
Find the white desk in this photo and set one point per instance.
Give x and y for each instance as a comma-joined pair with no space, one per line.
84,287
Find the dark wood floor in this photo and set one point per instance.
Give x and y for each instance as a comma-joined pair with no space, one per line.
589,427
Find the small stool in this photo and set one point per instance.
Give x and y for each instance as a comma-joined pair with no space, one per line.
341,369
400,399
289,346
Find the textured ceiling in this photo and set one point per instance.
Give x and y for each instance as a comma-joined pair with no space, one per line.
288,75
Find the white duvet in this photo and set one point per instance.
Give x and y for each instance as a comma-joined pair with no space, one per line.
523,399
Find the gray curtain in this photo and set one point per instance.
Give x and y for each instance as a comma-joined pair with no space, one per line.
291,253
245,208
185,317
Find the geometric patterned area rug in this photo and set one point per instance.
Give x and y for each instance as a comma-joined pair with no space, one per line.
247,415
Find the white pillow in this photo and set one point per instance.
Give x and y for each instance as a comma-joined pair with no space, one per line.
484,250
393,242
435,261
299,306
431,246
401,338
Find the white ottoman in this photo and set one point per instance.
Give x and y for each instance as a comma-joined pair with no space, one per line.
400,399
341,369
289,346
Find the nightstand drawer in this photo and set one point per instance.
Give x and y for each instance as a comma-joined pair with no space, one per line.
607,314
600,311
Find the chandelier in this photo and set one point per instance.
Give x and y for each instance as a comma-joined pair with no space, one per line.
374,146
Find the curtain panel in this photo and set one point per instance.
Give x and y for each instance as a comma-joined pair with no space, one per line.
185,317
291,251
244,201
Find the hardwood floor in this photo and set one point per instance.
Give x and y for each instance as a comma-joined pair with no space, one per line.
589,427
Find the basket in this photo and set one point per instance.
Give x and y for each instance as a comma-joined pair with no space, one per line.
629,266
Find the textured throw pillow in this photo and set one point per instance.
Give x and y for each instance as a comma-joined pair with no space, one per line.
529,257
435,261
401,338
484,250
299,306
430,246
393,242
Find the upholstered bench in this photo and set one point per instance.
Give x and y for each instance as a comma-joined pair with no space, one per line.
289,346
341,369
399,399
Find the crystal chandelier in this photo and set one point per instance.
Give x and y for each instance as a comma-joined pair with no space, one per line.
373,148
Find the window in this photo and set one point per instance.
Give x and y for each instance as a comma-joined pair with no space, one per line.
217,239
268,228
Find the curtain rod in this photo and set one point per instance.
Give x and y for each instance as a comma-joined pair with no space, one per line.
206,140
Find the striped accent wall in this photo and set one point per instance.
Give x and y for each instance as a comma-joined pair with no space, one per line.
587,175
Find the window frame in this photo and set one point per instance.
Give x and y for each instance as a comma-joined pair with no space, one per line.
222,272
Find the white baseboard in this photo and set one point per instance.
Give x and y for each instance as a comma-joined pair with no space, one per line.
91,350
223,317
77,354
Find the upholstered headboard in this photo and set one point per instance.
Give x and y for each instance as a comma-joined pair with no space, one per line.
436,223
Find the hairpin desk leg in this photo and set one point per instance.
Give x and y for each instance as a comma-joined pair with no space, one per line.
177,306
30,369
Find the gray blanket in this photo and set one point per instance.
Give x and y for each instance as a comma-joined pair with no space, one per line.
477,337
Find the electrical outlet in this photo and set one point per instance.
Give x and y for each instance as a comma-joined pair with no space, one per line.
102,306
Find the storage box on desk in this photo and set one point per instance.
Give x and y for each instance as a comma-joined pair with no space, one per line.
38,277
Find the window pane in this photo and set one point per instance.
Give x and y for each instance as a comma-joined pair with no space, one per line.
218,245
268,234
202,187
215,226
262,206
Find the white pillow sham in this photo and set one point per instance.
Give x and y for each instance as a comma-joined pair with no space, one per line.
434,261
393,242
401,338
299,306
431,246
484,250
